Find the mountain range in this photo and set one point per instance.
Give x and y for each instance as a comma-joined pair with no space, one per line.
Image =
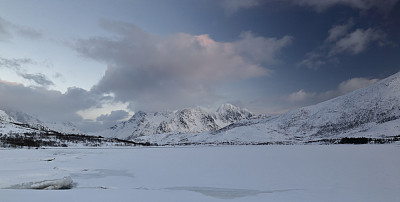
370,112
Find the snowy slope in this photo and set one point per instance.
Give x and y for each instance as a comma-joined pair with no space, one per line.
7,124
183,121
373,111
20,122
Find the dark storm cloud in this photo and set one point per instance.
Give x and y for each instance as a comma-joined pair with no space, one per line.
153,72
48,104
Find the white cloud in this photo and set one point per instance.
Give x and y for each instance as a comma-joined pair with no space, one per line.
315,59
303,98
342,40
354,84
338,31
9,82
357,41
260,49
154,73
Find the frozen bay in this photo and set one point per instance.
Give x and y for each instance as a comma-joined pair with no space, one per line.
211,173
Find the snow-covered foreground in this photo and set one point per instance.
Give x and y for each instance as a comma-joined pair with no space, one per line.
228,173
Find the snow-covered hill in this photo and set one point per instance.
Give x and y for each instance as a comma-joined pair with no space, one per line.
183,121
20,122
373,112
8,124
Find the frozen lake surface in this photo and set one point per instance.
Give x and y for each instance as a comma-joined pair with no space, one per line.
221,173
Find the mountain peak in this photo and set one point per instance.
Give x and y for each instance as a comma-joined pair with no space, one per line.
227,107
230,113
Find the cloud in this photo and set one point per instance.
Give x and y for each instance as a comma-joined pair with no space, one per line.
9,82
260,49
317,58
282,103
338,31
39,79
354,84
303,98
343,40
14,64
155,73
357,41
18,65
278,104
112,118
47,104
8,29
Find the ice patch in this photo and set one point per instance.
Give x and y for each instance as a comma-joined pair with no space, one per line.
57,184
226,193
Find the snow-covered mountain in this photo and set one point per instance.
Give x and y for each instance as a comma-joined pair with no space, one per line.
18,129
372,112
193,120
20,122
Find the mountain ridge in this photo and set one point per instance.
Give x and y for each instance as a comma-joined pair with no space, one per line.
182,121
372,112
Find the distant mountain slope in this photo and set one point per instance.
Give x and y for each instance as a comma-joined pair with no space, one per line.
373,111
20,122
18,129
183,121
8,124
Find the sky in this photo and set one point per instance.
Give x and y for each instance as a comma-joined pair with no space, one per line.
97,62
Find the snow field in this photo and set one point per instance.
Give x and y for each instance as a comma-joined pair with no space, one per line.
223,173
